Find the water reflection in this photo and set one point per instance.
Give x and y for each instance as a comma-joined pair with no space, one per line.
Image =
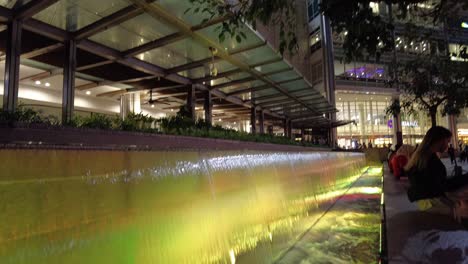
163,207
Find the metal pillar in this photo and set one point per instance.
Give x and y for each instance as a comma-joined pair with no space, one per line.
261,120
285,126
129,103
329,71
208,107
398,134
253,120
191,99
303,139
68,95
290,134
12,64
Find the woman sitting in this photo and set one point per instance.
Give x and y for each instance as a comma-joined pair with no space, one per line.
428,175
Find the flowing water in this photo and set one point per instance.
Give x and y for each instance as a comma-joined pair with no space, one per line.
70,206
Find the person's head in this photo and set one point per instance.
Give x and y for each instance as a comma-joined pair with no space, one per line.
436,139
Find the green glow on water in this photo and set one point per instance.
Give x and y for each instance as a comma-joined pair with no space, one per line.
163,207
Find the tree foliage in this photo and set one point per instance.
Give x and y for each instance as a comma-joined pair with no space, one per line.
281,13
431,82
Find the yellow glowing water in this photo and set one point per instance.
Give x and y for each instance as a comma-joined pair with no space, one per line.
163,207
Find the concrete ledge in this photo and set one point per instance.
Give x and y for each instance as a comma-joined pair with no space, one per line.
413,235
76,138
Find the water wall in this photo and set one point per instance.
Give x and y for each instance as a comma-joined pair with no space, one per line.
75,206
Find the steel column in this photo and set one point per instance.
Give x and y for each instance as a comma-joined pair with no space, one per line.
261,120
68,98
191,99
12,65
208,107
253,120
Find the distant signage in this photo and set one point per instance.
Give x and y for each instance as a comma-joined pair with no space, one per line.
464,24
390,123
410,124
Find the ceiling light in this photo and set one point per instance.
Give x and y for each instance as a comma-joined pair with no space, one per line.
367,92
152,106
235,123
37,82
88,92
47,84
220,120
172,110
168,55
339,99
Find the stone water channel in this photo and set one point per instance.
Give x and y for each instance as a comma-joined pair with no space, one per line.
76,206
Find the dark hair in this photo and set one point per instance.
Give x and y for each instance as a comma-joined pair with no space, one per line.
422,154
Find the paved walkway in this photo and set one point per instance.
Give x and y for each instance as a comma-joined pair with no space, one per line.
419,237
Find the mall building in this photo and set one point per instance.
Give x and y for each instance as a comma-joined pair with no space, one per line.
361,94
81,57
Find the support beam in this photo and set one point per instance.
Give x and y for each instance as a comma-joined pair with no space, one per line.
236,82
154,44
98,84
107,22
218,76
290,134
40,51
253,120
285,127
261,120
69,68
12,65
33,7
191,99
191,65
208,107
94,65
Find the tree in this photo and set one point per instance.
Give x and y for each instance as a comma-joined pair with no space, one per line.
237,13
430,82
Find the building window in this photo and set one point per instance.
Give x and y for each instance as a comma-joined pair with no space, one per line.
313,8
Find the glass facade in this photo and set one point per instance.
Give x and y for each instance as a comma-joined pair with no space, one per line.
371,123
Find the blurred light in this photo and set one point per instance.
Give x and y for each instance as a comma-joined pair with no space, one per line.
339,98
88,92
47,84
172,110
346,33
464,24
232,256
38,82
152,106
220,120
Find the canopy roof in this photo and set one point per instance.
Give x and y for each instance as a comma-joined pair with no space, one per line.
139,45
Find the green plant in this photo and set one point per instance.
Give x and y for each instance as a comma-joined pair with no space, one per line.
98,121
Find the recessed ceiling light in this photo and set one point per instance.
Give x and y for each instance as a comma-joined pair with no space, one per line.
37,82
152,106
47,84
88,92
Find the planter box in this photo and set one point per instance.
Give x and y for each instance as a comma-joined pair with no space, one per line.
32,136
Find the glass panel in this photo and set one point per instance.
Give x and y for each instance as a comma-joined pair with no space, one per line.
178,8
177,54
258,55
242,86
283,76
272,67
132,34
229,43
73,15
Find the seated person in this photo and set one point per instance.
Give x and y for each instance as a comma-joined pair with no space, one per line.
400,160
428,175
